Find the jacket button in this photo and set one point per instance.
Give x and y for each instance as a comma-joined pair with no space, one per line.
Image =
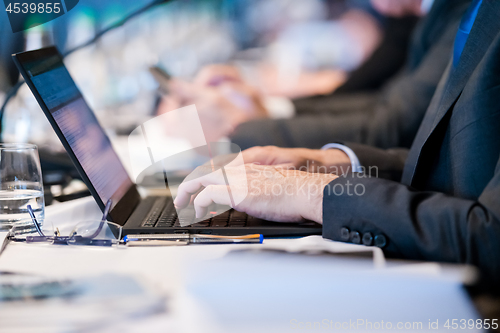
344,234
367,238
355,237
380,241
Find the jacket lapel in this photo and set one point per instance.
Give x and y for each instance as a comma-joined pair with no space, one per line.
484,30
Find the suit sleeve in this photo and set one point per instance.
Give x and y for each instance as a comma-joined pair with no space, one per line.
380,163
420,225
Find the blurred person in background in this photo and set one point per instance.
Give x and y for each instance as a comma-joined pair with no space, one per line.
307,48
312,57
388,117
302,53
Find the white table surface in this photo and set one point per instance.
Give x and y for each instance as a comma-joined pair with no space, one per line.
221,288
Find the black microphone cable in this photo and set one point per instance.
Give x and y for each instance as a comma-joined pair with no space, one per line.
13,91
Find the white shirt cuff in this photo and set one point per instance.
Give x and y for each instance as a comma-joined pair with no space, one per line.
356,166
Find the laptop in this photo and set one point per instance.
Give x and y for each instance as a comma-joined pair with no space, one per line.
102,171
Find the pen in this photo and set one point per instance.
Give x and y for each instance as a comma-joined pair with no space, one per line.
184,239
156,242
35,222
214,239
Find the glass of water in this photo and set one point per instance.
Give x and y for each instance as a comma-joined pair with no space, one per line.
20,184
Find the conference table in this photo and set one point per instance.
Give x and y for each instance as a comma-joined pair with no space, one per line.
282,285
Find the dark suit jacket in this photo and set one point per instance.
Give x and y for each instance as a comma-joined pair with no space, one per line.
388,119
447,206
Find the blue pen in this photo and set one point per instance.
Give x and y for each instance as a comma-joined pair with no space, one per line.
35,222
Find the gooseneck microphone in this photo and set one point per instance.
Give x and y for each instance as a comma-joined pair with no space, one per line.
12,92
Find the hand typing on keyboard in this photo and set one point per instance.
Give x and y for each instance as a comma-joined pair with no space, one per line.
272,193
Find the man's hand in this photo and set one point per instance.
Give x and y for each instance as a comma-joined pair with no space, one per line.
216,74
268,79
269,192
311,160
221,108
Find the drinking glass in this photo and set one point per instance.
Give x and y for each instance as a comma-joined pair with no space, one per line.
20,184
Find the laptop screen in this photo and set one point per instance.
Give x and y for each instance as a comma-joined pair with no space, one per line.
79,126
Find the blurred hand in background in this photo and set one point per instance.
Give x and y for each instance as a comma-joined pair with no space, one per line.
223,100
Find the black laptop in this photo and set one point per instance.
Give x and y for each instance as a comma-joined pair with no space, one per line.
104,174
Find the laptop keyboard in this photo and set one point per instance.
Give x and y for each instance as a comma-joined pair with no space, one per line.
164,215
